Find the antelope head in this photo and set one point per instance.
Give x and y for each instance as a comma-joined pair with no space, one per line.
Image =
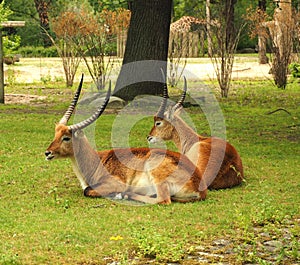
62,145
166,118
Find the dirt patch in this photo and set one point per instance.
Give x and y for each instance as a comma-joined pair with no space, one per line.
22,98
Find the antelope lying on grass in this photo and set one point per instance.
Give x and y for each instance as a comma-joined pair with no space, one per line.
218,161
141,174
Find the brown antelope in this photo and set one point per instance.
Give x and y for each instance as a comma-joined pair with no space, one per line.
141,174
218,161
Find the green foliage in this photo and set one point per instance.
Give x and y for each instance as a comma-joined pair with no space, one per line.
25,10
11,77
295,69
39,51
46,78
158,245
11,44
60,6
108,4
5,12
31,34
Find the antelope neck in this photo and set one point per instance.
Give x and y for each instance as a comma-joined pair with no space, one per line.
184,137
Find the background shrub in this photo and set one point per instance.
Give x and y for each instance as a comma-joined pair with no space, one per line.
39,51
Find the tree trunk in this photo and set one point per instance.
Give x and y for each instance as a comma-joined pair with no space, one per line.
226,39
42,7
230,29
262,42
282,42
262,5
208,30
146,49
262,50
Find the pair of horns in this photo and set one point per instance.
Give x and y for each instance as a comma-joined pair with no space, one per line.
178,105
91,119
98,112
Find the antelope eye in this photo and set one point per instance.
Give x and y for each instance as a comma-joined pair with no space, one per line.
158,123
66,138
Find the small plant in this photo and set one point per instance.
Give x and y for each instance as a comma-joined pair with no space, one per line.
295,69
154,245
65,204
58,79
11,77
46,78
6,259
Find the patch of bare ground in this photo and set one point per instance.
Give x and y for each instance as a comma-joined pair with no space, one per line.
23,99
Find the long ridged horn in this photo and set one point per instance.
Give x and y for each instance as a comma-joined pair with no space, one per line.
73,104
94,117
181,100
163,105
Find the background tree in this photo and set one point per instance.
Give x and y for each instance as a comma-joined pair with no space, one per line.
194,8
225,39
280,31
91,41
25,10
67,27
147,40
209,34
262,41
43,7
82,32
100,33
4,14
278,28
115,5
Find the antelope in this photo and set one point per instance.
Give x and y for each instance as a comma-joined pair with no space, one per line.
217,160
147,175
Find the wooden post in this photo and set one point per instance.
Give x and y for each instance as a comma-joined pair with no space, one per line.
5,24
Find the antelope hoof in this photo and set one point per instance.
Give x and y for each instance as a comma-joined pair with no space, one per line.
89,192
165,202
203,194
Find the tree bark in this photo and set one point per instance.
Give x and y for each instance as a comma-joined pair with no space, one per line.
209,34
262,42
42,7
282,42
146,49
230,29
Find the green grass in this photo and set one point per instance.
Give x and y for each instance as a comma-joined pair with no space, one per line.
45,219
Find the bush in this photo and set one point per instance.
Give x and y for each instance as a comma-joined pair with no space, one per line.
30,51
295,69
11,44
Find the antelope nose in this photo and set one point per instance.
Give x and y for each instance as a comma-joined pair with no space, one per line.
151,139
47,153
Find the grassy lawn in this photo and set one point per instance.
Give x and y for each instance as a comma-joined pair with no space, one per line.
45,219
